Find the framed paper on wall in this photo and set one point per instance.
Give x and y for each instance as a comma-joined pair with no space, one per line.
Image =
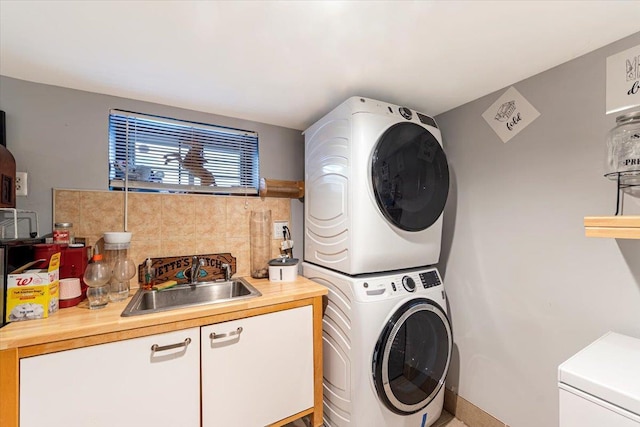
623,80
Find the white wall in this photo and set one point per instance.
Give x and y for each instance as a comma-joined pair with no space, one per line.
526,288
59,137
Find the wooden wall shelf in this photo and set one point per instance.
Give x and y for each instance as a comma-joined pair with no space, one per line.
617,227
278,188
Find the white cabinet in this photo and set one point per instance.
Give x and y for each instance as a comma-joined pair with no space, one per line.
578,409
599,385
123,383
257,370
249,372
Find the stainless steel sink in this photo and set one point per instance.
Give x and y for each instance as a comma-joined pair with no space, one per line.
189,295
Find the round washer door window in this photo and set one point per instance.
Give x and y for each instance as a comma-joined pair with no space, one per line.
410,176
412,356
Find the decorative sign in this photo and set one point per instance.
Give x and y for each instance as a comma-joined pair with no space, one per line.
623,80
179,268
510,114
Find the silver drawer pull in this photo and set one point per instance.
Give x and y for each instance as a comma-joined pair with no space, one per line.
157,347
215,336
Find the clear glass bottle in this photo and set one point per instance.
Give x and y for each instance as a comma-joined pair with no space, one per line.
96,276
623,150
122,270
260,243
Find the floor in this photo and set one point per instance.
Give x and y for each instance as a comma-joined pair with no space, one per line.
448,420
445,420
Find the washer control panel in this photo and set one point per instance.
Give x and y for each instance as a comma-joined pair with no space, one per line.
403,282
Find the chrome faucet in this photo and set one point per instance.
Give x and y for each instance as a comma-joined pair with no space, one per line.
227,271
196,264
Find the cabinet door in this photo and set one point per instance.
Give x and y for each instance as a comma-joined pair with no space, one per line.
123,383
258,370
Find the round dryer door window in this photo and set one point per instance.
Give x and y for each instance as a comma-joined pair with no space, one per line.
412,356
410,176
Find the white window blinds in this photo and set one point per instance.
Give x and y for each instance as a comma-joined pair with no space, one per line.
156,153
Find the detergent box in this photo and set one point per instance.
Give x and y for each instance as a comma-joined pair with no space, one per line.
33,294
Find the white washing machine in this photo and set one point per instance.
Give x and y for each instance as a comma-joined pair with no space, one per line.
386,347
600,385
376,182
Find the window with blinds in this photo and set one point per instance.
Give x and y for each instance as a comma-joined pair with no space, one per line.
163,154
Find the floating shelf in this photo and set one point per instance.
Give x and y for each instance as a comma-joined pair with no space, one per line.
618,227
277,188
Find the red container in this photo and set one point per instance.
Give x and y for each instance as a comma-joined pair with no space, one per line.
74,263
73,260
45,250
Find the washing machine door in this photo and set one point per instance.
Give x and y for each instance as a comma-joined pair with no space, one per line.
412,356
410,176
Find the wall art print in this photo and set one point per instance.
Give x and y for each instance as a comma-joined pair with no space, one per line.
510,114
623,80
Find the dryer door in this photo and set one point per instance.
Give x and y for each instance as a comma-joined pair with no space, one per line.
412,356
410,176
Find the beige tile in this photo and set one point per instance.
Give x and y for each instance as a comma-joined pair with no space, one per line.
165,225
211,216
238,215
177,247
141,250
67,207
91,240
178,216
144,216
239,248
473,416
211,245
448,420
100,211
280,208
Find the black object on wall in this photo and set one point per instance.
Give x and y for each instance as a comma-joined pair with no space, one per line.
3,130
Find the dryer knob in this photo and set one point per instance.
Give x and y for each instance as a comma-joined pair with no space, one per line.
409,284
405,112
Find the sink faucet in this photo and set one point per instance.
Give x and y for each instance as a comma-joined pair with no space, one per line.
196,264
227,272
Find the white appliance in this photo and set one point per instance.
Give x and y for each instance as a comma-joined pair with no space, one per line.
377,180
386,347
600,385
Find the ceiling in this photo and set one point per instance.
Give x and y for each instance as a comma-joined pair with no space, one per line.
287,63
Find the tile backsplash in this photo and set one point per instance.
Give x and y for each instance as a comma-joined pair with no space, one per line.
169,224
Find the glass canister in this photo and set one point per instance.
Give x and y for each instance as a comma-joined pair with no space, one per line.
623,150
63,232
260,243
122,270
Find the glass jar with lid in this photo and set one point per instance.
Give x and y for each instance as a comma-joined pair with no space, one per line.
63,233
623,150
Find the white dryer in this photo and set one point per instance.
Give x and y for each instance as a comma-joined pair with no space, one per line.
386,347
376,182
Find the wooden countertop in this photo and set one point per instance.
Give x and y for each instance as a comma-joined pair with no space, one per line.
79,321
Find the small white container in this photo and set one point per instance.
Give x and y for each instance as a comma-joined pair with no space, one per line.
117,237
283,270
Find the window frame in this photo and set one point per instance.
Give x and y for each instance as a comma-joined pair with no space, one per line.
242,174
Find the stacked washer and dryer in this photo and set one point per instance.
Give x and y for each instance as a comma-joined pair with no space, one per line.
377,180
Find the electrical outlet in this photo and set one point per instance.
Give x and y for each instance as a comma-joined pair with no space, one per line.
21,183
277,229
